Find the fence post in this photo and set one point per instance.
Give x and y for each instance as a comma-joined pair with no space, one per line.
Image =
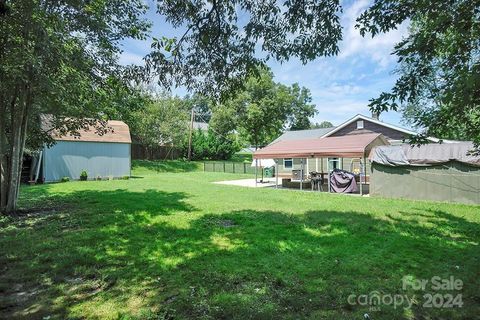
244,168
204,164
214,167
233,166
224,167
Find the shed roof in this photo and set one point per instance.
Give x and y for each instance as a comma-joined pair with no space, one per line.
343,146
117,132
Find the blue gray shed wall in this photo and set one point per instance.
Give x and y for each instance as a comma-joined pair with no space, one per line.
69,158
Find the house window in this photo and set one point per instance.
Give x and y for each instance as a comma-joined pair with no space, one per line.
288,163
360,124
334,163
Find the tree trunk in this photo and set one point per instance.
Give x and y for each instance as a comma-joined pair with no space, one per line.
18,137
3,159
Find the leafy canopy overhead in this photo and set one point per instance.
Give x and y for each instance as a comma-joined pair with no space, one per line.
224,41
264,108
438,88
221,39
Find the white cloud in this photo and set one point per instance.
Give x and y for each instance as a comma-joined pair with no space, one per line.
378,49
127,58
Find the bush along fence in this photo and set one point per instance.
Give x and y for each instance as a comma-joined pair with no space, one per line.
229,167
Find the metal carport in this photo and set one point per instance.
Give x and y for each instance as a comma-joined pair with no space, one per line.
352,146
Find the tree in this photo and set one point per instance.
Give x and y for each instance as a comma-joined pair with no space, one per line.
217,50
302,109
61,59
164,121
210,145
323,124
438,88
262,109
201,105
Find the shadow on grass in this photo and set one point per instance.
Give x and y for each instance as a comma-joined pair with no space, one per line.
165,166
121,252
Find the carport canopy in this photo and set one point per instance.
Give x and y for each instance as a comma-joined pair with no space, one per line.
348,146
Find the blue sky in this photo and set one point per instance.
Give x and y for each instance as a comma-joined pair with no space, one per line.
341,86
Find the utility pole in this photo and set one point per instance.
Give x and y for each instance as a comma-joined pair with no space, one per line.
190,136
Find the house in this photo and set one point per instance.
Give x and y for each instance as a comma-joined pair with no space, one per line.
105,156
357,125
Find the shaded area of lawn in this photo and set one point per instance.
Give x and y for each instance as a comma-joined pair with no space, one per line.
155,254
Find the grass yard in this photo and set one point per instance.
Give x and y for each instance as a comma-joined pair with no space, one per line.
172,245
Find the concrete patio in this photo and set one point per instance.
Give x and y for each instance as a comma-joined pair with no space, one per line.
250,183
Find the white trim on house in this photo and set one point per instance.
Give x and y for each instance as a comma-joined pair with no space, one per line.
362,117
284,166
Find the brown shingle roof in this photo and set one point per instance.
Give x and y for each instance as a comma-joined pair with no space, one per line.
117,132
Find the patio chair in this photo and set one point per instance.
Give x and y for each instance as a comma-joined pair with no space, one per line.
316,180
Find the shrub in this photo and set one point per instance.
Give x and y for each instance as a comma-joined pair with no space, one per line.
83,175
125,177
65,179
98,178
210,145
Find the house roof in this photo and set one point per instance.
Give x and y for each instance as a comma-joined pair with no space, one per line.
362,117
303,134
117,132
343,146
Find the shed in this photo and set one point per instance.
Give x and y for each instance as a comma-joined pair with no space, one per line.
439,172
106,155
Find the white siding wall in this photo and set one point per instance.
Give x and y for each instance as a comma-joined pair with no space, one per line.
69,158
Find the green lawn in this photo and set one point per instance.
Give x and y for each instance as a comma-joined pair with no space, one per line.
172,245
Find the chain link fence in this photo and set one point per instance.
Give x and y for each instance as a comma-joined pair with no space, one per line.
229,167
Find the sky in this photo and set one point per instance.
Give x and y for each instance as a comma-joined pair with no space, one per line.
340,86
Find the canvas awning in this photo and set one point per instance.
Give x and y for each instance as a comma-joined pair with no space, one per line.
424,155
349,146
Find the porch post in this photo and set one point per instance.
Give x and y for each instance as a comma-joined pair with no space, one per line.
276,173
301,173
256,171
361,171
329,183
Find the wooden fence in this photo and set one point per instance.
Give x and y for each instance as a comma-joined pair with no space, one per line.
141,152
229,167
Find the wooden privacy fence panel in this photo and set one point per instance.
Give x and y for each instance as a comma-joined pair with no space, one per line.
141,152
228,167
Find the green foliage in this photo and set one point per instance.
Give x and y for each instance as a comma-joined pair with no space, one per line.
217,50
265,108
179,246
213,146
438,88
65,179
201,104
58,58
83,175
323,124
163,121
301,109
